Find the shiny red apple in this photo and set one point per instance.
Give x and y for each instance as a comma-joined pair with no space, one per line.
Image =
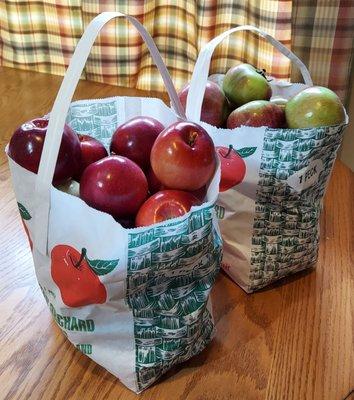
134,139
127,223
183,156
26,146
92,150
232,166
115,185
215,108
165,205
154,184
200,193
78,284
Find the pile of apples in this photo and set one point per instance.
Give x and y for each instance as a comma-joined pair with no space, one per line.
152,173
243,96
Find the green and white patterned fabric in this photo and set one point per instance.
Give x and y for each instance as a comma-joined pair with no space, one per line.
286,223
171,270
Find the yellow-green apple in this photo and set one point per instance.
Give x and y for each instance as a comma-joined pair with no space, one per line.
279,101
244,83
313,107
71,187
217,78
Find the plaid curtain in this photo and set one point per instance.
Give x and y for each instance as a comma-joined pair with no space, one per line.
41,36
322,36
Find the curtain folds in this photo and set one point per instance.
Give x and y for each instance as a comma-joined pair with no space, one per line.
41,36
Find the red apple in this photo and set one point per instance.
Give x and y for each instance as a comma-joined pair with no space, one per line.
92,150
154,184
183,156
127,222
165,205
214,107
78,284
115,185
233,168
200,193
257,113
134,139
26,146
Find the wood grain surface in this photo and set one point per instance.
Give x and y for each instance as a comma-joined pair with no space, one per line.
293,341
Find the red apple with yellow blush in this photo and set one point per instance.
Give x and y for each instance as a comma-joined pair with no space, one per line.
183,156
257,113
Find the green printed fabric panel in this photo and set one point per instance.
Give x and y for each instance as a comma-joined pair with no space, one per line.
95,118
285,232
171,269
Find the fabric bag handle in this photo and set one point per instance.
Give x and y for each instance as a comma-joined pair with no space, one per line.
201,69
60,109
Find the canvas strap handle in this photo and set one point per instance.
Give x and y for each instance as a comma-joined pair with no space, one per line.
61,107
201,69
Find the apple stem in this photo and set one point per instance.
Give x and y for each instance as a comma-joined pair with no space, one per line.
82,257
192,137
230,150
261,72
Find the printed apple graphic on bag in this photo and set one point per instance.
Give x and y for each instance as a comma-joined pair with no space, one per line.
233,167
25,216
77,277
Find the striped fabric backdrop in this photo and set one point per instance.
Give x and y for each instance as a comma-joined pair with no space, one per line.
41,36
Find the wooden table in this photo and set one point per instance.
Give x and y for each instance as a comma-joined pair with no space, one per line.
293,341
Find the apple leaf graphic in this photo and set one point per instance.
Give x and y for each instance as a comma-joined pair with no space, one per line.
246,151
102,267
24,213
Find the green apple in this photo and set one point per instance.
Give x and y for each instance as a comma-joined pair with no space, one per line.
313,107
71,187
244,83
279,101
217,78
